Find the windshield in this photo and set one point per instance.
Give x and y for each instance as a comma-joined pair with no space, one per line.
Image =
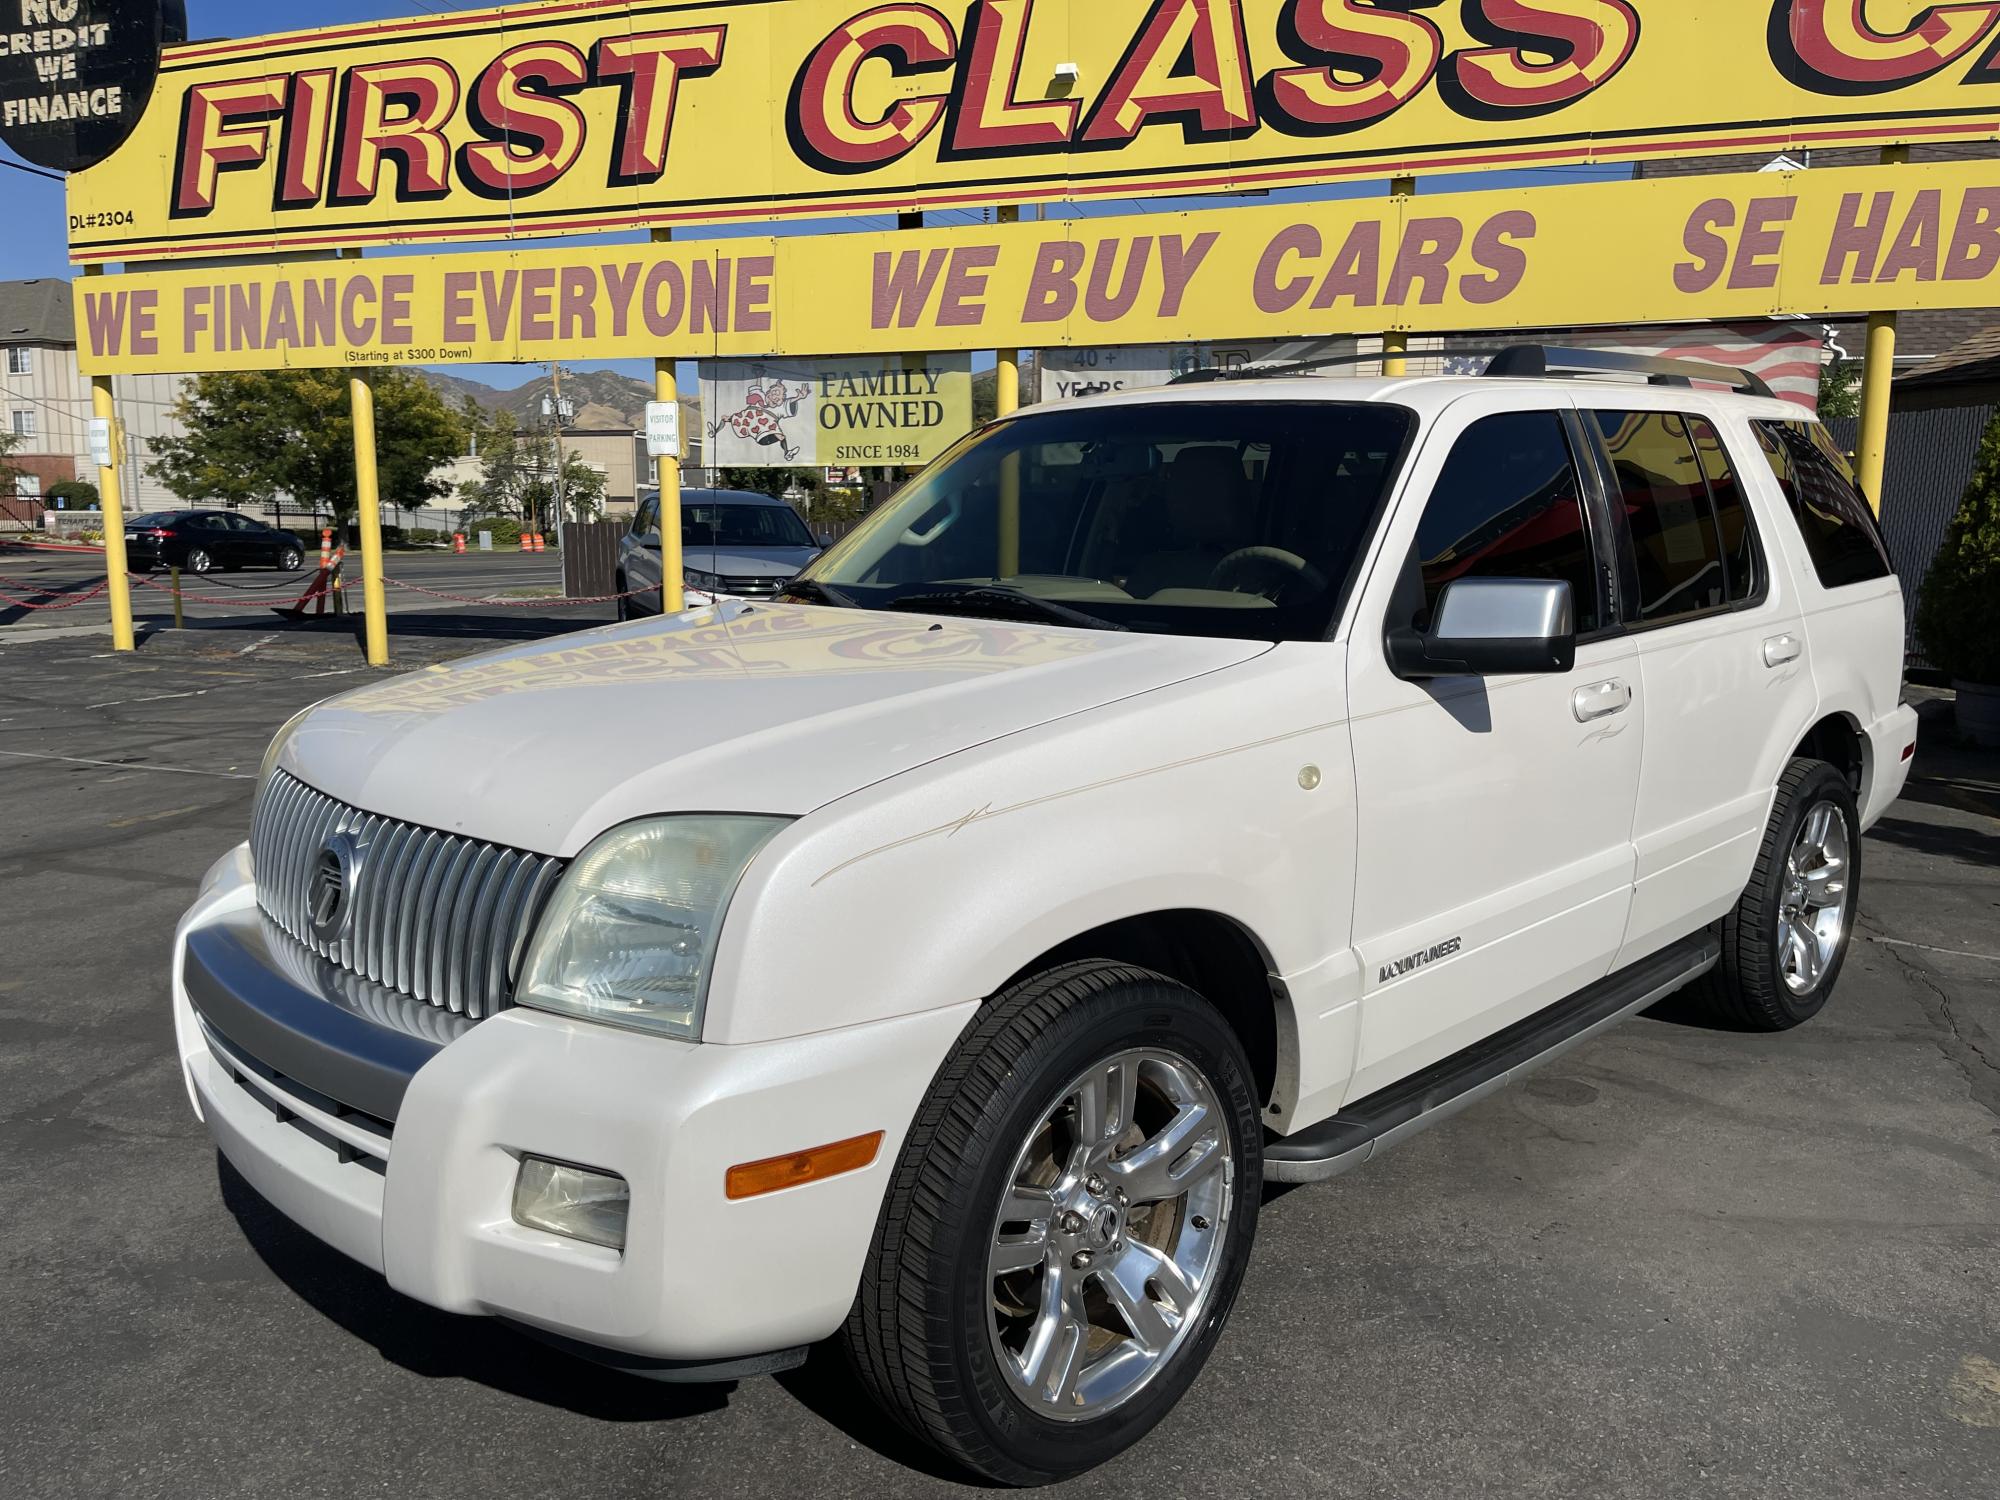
1231,518
743,526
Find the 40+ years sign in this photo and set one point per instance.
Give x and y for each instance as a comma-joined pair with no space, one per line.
1689,249
581,115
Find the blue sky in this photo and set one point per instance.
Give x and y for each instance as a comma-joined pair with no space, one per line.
34,242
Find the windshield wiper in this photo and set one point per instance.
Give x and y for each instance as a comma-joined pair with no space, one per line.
811,591
983,597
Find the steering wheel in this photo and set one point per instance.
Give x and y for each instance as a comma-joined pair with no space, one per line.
1274,563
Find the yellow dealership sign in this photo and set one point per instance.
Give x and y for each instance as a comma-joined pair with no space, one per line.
1824,241
584,115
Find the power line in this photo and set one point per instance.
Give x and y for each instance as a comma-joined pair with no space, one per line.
32,171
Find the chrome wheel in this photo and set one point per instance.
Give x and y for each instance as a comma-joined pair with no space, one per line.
1109,1234
199,561
1812,912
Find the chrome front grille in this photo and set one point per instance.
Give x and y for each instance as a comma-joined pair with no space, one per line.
436,916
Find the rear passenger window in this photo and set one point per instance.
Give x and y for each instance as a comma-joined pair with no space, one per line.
1839,528
1509,505
1742,557
1679,549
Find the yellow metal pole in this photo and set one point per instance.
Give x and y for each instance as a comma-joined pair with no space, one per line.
1871,452
1396,346
1878,374
111,495
368,506
1006,401
673,568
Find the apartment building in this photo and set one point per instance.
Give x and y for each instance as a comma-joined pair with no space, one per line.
45,402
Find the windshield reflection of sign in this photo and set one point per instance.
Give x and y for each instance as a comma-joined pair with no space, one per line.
75,76
774,643
898,410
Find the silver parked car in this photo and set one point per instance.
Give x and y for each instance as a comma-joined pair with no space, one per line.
735,544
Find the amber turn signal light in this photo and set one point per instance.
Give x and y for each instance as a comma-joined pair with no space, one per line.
755,1178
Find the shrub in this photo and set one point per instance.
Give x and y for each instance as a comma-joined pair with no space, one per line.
1958,616
72,494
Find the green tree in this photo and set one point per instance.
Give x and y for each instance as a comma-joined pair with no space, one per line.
8,473
776,483
582,488
1958,615
252,436
505,468
1840,389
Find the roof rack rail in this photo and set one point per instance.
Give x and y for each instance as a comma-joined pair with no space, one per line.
1540,361
1520,362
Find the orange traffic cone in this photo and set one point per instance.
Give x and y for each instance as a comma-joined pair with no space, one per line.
458,543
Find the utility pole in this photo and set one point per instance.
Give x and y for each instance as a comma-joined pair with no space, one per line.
562,505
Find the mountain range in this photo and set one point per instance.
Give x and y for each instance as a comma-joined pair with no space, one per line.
605,400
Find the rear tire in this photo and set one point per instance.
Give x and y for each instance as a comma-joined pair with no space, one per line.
1067,1227
198,561
1784,944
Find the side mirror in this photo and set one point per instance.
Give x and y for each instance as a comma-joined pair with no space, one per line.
825,539
1491,627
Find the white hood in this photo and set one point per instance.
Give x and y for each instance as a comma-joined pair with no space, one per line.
769,709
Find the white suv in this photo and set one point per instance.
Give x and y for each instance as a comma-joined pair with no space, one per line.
1164,795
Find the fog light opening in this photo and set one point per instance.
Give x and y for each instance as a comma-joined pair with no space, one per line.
577,1203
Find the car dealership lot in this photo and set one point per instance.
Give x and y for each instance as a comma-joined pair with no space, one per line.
1676,1261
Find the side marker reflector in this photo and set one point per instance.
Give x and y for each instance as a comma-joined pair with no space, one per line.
755,1178
1909,751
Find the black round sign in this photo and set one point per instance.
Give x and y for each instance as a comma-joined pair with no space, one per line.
75,75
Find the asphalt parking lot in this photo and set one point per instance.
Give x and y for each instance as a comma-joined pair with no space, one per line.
1678,1262
426,584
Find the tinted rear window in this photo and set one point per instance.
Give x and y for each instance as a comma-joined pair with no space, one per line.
1839,528
1674,533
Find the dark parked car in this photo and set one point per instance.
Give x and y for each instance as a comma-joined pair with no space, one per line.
201,541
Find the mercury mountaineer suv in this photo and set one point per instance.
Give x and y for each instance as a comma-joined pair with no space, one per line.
1164,795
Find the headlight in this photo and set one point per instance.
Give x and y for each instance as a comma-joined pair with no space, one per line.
706,582
629,937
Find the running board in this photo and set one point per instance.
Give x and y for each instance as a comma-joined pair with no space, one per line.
1367,1127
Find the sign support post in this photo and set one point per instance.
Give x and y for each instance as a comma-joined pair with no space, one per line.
368,513
1006,401
673,568
111,495
1878,375
1396,345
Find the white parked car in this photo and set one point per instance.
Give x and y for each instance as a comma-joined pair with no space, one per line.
1164,795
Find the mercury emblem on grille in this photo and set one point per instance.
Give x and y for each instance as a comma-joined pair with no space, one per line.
330,904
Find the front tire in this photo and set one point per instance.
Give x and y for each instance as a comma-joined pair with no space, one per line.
624,604
290,560
1784,944
1067,1227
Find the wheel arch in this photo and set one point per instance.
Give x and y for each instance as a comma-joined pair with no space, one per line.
1839,740
1212,954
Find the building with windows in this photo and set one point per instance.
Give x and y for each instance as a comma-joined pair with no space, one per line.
45,402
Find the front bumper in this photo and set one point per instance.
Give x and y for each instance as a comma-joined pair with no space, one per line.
425,1198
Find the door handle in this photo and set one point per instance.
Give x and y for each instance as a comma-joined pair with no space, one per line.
1600,700
1780,649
